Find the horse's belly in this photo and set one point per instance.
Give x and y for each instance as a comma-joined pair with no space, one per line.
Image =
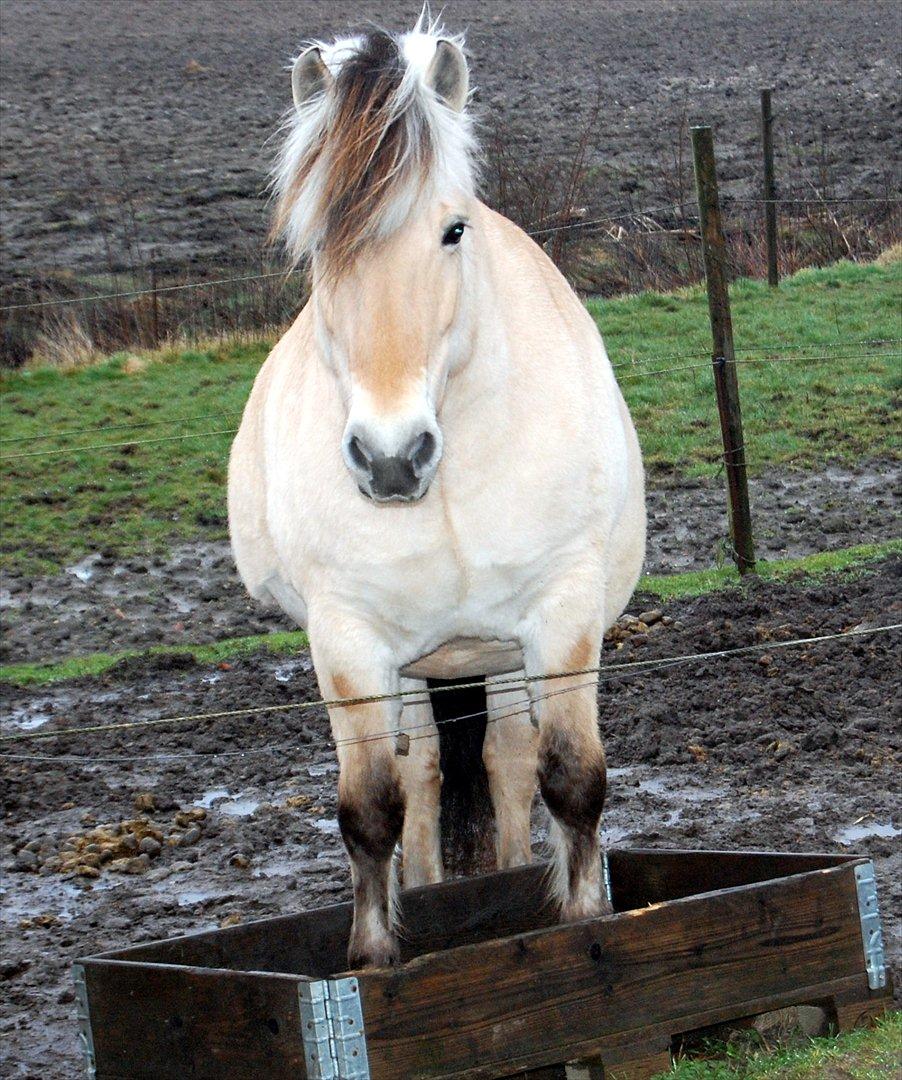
465,657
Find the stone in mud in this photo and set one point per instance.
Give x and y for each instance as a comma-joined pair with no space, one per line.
191,836
651,617
26,860
150,846
145,801
794,1024
129,843
134,865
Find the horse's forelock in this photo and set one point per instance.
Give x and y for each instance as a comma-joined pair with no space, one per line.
356,157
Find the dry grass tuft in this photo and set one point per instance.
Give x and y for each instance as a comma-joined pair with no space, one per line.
891,256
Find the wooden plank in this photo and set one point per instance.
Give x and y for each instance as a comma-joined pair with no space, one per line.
641,876
464,911
548,996
314,943
621,1056
157,1022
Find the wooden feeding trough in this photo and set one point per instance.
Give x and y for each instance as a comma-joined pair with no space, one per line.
489,986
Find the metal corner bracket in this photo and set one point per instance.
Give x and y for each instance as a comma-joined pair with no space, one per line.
606,877
83,1011
871,928
332,1029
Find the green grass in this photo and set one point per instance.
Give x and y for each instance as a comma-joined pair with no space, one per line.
139,498
54,509
665,587
42,673
698,582
869,1054
806,412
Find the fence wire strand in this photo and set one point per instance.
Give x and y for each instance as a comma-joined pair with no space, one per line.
497,684
69,432
632,374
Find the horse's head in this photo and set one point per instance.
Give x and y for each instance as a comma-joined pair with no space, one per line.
376,187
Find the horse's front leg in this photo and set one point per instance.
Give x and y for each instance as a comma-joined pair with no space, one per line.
351,662
571,765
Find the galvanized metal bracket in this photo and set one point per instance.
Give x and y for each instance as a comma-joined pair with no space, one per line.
332,1030
871,928
83,1011
606,877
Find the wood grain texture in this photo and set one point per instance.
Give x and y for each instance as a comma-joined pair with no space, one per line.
155,1022
465,911
549,996
491,987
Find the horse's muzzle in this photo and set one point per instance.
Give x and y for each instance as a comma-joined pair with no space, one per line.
402,477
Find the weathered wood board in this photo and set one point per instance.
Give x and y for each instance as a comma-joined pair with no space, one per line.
490,986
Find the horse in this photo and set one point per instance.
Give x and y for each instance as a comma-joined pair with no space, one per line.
437,476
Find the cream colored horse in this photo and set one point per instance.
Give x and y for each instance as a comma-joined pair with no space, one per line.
436,473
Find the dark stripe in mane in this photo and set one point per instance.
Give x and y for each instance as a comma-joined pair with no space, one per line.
372,147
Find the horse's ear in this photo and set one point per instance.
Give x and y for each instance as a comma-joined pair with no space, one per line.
309,76
448,75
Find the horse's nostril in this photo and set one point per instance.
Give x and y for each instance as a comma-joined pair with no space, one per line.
359,456
422,450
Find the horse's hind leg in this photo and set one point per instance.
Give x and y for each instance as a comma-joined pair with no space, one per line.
509,754
351,662
571,768
422,780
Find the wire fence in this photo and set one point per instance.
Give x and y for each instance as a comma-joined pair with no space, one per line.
877,348
496,686
644,219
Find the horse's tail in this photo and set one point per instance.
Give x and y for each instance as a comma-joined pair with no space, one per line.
466,817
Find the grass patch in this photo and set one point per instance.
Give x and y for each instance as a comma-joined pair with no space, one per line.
869,1054
139,498
803,411
44,672
697,582
142,498
665,587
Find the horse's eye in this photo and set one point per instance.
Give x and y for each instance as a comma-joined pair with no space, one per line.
453,235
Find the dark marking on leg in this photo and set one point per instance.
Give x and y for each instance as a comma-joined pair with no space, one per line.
573,789
371,816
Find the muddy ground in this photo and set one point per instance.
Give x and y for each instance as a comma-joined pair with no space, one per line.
792,750
193,595
135,132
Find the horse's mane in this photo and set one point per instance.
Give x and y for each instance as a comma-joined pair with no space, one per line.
361,152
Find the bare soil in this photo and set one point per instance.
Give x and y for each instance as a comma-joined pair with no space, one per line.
135,132
193,595
789,750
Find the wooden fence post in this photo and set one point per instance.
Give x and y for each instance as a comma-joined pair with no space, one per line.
156,307
770,187
725,380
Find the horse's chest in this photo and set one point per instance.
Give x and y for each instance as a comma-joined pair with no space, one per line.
473,581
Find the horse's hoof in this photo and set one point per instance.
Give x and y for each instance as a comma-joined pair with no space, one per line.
585,908
381,955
